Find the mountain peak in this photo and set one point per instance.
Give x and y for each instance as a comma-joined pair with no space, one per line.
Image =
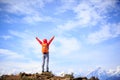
105,75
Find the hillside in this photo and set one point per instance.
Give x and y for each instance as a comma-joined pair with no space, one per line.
43,76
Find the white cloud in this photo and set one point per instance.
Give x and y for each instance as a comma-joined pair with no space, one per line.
66,5
16,62
30,19
106,32
88,13
67,45
10,20
17,67
24,6
28,42
18,34
29,11
31,45
104,7
68,25
6,37
37,18
93,12
10,54
86,16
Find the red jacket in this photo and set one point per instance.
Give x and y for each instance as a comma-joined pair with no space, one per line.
45,44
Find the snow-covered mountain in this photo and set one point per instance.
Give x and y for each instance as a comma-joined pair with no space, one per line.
105,75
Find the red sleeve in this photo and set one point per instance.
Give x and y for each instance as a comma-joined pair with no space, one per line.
38,40
51,40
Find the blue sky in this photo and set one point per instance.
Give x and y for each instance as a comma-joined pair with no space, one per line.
87,34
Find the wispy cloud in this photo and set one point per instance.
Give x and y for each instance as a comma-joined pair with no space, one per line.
23,35
24,7
17,67
93,14
88,13
27,41
10,54
64,43
65,6
28,11
106,32
6,37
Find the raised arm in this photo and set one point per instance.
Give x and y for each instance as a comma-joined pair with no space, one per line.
51,40
38,40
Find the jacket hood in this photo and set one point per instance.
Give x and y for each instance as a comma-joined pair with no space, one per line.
44,40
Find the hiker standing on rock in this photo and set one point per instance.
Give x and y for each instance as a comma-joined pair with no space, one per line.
45,50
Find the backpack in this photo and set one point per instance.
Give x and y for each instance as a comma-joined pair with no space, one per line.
45,48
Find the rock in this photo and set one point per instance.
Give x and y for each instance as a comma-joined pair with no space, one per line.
80,78
43,76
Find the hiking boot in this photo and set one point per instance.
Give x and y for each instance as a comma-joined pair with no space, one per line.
47,69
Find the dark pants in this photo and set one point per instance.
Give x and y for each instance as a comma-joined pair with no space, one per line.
45,58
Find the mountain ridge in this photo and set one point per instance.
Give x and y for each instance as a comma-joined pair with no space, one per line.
105,75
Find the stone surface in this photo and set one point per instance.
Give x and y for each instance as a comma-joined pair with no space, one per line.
43,76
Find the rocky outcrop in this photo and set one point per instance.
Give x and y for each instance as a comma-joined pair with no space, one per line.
43,76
